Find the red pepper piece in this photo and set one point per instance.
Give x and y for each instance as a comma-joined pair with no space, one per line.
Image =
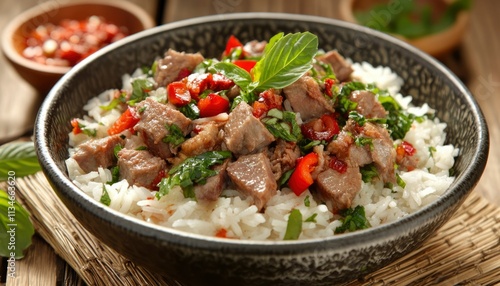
220,82
212,105
231,44
76,126
405,149
267,101
126,121
245,64
301,177
337,164
182,74
329,83
323,128
178,93
198,83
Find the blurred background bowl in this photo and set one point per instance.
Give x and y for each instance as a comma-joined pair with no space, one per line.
42,77
436,44
200,260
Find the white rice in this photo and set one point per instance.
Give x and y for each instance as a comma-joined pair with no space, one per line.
240,218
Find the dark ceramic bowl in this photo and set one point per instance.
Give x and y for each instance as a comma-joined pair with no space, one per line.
199,260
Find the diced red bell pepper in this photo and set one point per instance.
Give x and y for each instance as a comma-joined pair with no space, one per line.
267,100
405,149
212,105
329,83
76,126
178,93
232,43
301,177
337,164
126,121
323,128
220,82
245,64
197,83
222,233
182,74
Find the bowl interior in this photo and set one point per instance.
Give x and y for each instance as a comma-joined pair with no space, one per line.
425,79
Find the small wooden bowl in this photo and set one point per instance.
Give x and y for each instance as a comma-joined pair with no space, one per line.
43,77
437,44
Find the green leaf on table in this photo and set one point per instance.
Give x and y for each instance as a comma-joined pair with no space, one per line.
16,228
18,159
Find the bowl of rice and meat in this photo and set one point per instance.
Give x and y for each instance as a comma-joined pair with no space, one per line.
261,148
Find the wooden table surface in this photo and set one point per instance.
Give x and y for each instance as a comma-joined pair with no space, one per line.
476,61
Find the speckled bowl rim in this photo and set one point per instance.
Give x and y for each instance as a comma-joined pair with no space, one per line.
458,191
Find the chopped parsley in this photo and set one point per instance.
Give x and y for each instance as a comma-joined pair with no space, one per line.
175,135
353,219
282,124
312,218
140,89
368,172
105,199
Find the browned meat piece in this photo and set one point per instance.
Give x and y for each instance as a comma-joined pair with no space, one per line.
134,142
380,150
152,126
140,167
97,153
368,105
345,149
207,139
245,134
169,67
211,190
340,66
305,97
254,48
338,190
253,176
407,163
283,158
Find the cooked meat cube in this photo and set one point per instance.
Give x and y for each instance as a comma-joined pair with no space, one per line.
254,49
344,148
253,176
407,163
140,167
207,139
97,153
211,190
284,157
306,98
169,67
340,66
382,151
379,148
153,126
368,105
338,190
245,134
134,142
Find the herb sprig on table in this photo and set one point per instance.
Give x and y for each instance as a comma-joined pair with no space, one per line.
17,159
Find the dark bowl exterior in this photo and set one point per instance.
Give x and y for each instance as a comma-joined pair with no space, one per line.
198,260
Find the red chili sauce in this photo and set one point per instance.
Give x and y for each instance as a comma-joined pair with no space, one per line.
71,41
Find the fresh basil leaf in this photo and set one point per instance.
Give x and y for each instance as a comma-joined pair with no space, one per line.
286,60
238,75
15,221
18,158
353,219
294,225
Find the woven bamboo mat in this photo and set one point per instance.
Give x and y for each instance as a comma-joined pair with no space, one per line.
465,251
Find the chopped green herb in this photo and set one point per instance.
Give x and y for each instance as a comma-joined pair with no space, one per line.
353,219
361,141
141,148
140,89
312,218
432,149
174,136
400,181
282,124
115,175
368,172
307,201
105,199
190,110
285,177
361,120
117,149
193,170
294,225
398,122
